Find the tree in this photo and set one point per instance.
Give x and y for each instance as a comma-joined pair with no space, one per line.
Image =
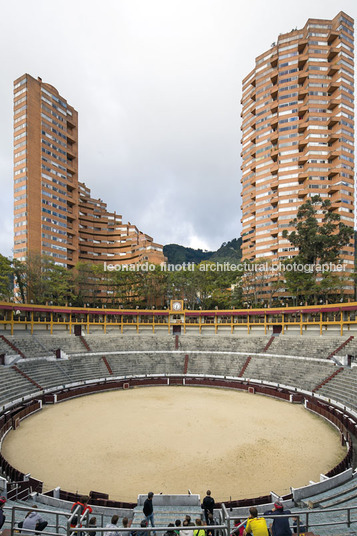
6,278
320,236
318,242
89,281
40,280
60,290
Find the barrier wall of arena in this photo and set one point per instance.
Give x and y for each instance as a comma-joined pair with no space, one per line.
345,422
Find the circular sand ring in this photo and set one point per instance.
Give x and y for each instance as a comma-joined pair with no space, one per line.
173,439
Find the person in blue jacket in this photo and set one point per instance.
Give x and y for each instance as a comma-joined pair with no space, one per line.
279,527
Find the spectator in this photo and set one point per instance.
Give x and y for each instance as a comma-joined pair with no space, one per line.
126,525
186,531
149,510
238,531
279,527
170,532
208,505
177,524
143,524
92,524
211,521
33,522
302,527
82,506
114,526
255,525
199,531
2,515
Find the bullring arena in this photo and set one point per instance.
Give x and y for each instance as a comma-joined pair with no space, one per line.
224,407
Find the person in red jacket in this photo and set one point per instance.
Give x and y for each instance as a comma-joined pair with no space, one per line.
83,507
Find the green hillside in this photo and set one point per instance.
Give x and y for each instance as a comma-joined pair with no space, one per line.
229,251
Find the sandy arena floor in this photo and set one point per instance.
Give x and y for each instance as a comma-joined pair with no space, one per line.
174,439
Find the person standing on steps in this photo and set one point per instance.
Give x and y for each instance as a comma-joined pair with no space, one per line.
208,505
149,510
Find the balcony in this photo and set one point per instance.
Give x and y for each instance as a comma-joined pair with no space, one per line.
274,137
274,153
333,52
274,169
303,176
333,69
333,103
333,35
336,153
336,197
274,78
333,121
302,61
303,158
303,192
274,106
302,126
274,122
302,143
333,172
274,92
71,138
302,76
274,61
302,44
334,184
70,122
303,91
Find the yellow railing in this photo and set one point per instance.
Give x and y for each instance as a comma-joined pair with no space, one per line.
322,318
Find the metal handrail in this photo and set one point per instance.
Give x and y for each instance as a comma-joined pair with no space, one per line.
224,527
299,514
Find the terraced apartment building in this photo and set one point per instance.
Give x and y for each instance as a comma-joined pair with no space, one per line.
298,134
54,213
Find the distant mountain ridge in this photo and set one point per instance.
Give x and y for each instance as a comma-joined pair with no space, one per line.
228,251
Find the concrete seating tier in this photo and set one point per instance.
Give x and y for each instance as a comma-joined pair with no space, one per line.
146,363
118,343
69,343
46,373
220,364
343,494
5,348
29,345
43,344
13,386
342,387
302,373
84,368
350,348
306,346
241,343
52,373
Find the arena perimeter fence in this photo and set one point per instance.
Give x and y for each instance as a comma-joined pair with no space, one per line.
20,485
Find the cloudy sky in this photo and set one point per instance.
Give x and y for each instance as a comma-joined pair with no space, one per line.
157,84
